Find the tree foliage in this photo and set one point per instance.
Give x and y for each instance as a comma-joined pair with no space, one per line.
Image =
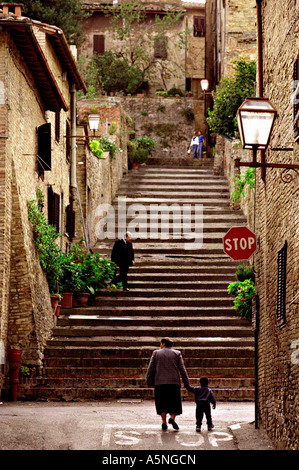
229,95
66,14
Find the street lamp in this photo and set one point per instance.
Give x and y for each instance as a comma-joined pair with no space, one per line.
94,121
204,84
255,119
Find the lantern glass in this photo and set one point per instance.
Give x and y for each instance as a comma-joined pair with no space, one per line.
94,121
255,120
204,85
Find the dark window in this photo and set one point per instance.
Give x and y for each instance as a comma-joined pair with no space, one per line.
199,26
161,47
296,95
70,221
68,140
57,126
44,147
99,44
281,284
53,208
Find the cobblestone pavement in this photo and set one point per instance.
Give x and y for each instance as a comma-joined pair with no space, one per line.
124,425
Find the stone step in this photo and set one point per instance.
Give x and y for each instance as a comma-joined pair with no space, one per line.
128,382
118,341
112,311
123,300
158,292
74,393
138,321
137,371
118,363
146,352
169,330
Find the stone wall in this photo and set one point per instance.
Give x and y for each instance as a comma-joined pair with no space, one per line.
99,178
227,152
26,315
164,120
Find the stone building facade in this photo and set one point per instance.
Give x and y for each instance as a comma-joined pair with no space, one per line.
231,34
272,213
184,66
277,222
38,83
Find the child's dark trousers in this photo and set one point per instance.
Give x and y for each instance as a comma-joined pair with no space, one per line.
202,409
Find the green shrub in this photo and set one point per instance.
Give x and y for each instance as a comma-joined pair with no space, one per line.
243,293
45,238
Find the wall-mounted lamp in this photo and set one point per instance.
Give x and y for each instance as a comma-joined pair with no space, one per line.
94,122
204,84
255,119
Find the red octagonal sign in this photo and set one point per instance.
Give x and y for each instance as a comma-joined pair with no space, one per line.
239,243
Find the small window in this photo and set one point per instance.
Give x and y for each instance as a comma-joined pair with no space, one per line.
70,222
199,26
68,141
53,208
160,46
44,147
57,126
281,285
296,95
99,44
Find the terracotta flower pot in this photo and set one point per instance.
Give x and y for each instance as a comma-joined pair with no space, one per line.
54,302
57,313
67,301
83,299
135,166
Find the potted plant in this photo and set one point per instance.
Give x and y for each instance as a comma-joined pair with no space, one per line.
70,280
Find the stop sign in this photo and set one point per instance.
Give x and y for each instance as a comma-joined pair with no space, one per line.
239,243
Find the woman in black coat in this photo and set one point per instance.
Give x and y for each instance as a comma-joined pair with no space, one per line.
163,372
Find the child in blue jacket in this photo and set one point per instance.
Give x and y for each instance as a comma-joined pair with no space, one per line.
203,397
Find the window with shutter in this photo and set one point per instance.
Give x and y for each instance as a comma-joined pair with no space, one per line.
199,26
99,44
70,221
44,147
160,46
57,126
53,208
68,141
281,285
296,96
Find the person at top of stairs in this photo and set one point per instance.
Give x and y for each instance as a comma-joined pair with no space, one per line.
123,256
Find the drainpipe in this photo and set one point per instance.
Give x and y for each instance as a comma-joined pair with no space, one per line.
73,143
260,68
263,176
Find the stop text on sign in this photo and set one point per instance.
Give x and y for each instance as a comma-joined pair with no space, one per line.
239,243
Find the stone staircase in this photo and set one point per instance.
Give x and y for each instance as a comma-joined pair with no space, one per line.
102,351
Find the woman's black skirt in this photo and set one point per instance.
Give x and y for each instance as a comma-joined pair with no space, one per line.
168,399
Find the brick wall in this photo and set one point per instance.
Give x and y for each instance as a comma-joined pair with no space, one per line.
277,221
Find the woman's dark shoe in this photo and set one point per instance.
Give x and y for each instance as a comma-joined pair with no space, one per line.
174,424
164,426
